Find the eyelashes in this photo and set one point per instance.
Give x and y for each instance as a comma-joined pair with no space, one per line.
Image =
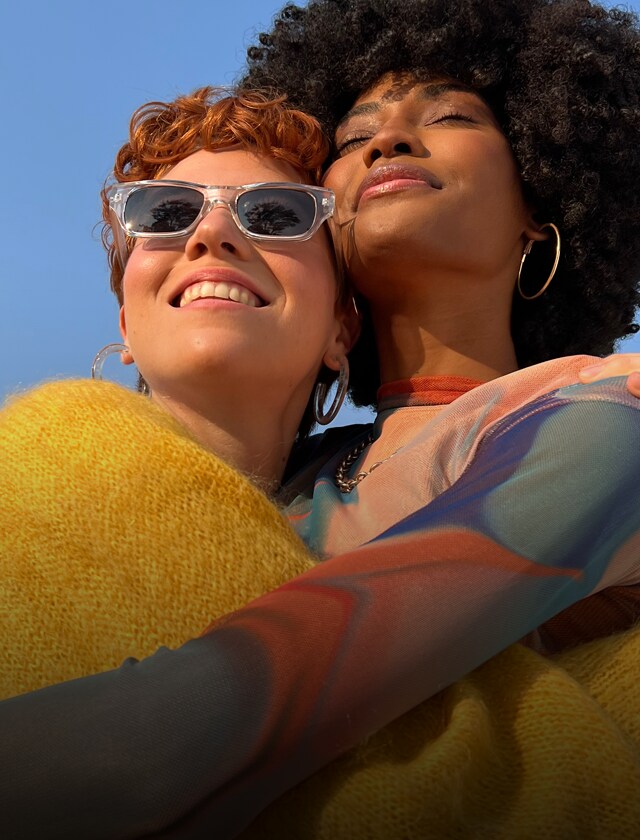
354,141
454,116
348,145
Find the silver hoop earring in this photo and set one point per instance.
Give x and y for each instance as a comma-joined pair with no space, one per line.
320,395
102,356
526,253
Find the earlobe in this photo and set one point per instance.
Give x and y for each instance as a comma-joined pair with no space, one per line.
333,357
125,356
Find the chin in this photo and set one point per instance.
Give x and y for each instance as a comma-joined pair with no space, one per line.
389,227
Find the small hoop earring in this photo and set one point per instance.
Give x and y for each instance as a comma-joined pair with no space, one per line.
102,356
320,395
526,253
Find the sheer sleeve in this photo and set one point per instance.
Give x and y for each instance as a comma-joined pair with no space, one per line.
547,512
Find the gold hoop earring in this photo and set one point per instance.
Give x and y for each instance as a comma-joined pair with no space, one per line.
526,253
320,394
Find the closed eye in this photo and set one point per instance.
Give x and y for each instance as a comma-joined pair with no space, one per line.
349,144
454,116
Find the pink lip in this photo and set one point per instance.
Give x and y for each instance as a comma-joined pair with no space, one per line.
217,274
392,177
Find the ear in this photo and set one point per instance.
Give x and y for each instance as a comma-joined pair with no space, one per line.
125,357
348,322
532,228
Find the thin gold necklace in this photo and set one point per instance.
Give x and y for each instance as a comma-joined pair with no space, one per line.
345,484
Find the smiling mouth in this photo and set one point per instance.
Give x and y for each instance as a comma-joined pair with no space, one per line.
207,290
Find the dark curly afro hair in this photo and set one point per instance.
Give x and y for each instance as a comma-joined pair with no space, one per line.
563,79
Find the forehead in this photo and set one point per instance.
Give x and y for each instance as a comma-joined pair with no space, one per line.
232,166
393,90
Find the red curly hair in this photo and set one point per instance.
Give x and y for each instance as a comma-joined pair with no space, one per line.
163,133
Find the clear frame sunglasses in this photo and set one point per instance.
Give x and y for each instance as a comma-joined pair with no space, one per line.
264,212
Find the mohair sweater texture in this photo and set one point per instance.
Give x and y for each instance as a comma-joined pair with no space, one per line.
521,749
119,533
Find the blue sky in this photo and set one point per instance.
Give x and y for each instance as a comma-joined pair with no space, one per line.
71,74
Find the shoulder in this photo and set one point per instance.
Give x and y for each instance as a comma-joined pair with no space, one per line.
550,389
82,406
527,385
540,414
102,427
62,395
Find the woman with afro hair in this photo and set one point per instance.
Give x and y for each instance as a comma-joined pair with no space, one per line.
561,80
482,534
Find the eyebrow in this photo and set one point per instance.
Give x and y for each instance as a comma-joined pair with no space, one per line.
429,92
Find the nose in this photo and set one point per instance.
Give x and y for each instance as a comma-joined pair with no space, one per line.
392,139
217,234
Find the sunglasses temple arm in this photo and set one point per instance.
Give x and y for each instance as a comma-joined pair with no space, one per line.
120,241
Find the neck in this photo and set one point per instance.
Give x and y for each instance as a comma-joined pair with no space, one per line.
465,335
256,442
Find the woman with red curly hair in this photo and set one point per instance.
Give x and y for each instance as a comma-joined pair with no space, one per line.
126,519
244,126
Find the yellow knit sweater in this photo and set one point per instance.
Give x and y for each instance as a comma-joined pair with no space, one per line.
119,533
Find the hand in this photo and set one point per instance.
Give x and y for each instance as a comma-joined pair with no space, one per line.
617,365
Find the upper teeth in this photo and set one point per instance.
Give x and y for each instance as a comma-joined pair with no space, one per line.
225,291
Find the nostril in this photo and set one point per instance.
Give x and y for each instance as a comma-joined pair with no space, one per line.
402,148
228,247
375,154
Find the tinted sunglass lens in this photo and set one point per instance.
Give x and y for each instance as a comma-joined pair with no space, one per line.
270,212
162,209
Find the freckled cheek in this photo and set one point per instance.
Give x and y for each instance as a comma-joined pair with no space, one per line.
309,280
313,296
313,261
143,270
